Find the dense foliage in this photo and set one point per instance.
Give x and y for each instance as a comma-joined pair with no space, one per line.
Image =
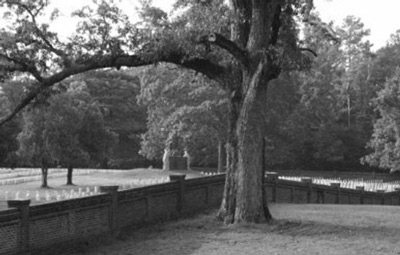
310,122
185,112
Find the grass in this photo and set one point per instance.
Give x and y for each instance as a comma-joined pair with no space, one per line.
297,229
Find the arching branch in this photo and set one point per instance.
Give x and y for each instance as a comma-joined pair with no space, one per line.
203,66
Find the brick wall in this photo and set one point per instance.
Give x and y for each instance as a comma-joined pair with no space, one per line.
283,191
46,228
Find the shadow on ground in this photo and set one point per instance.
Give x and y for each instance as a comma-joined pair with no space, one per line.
303,229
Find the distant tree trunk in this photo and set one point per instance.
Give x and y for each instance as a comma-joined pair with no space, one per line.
104,163
45,170
44,177
69,174
348,111
220,157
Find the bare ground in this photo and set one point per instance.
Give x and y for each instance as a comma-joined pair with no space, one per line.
297,229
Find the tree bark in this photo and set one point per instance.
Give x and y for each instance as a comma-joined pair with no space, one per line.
244,197
69,174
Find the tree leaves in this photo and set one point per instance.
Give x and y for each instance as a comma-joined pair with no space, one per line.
59,132
385,141
181,105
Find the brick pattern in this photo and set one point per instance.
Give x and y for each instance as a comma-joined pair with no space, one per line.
91,221
132,212
49,230
215,194
9,237
195,199
163,206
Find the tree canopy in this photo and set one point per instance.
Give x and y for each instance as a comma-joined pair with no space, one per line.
65,130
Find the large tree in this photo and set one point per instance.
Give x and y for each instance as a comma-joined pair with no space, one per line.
242,47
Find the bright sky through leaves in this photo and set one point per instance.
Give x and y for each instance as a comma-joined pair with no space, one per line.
381,17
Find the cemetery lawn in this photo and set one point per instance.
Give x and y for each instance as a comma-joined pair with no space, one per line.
57,184
297,229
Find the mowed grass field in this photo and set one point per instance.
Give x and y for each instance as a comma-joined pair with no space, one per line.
297,229
84,182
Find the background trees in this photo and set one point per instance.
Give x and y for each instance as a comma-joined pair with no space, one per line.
184,111
327,120
10,95
385,141
116,93
65,130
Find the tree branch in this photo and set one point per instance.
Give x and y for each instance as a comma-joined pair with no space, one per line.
46,43
227,45
21,66
204,66
309,50
49,46
325,28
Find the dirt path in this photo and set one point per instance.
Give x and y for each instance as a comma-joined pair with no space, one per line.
298,229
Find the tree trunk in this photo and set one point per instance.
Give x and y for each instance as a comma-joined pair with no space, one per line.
251,205
45,171
256,30
69,174
244,195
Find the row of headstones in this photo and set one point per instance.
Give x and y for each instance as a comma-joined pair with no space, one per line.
80,192
209,173
37,176
51,196
349,184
